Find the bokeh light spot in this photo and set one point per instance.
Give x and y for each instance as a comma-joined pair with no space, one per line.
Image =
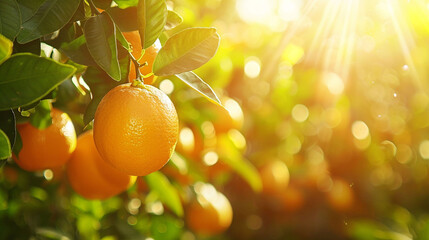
424,149
48,174
360,130
254,222
186,138
252,67
166,86
300,113
210,158
333,82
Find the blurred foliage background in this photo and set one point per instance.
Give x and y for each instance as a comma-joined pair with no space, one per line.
333,90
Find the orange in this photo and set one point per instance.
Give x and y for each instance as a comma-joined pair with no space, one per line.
341,195
210,213
47,148
149,56
292,198
92,177
230,117
136,128
274,176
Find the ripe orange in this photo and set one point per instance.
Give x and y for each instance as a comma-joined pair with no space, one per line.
210,213
341,195
136,128
274,176
47,148
91,176
149,56
227,118
292,198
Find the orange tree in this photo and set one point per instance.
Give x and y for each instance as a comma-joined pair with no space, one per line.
79,56
323,134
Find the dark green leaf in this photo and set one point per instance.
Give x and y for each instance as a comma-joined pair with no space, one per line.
5,148
79,15
233,157
165,191
10,18
124,63
186,51
125,19
77,51
7,124
99,83
121,39
18,144
195,82
41,118
151,18
173,20
28,8
51,16
26,78
100,34
5,48
126,3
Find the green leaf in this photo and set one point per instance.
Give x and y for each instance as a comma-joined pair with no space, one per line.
173,20
99,83
126,3
80,13
100,34
77,51
195,82
10,18
124,63
121,39
6,47
172,225
26,78
51,16
125,19
186,51
233,157
29,8
151,19
41,118
7,124
166,192
5,148
48,233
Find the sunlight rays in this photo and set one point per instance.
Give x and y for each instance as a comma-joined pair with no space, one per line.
404,36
